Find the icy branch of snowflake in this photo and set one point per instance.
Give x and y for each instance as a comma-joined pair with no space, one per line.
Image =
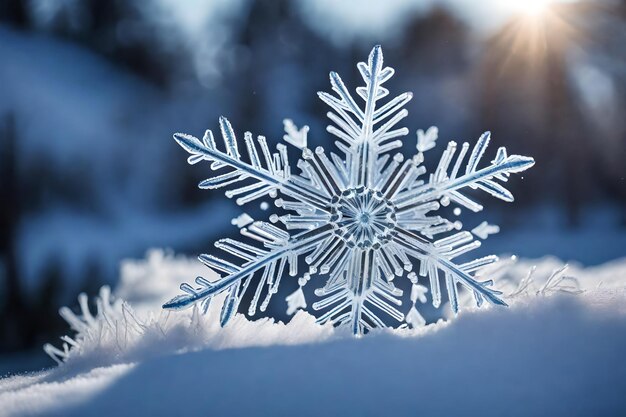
446,183
362,128
266,175
267,261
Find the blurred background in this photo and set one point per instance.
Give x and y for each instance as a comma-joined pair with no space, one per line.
92,90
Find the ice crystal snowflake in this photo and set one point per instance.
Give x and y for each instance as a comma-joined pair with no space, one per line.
359,221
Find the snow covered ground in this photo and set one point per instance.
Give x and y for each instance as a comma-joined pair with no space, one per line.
556,351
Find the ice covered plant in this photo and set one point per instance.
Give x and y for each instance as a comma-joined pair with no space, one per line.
359,220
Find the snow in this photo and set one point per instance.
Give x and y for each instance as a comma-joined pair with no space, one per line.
551,353
51,395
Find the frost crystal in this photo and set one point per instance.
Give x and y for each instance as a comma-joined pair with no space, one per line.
359,220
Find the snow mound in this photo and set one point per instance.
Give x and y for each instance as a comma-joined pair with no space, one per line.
132,326
555,351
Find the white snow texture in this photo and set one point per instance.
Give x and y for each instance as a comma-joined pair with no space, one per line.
556,351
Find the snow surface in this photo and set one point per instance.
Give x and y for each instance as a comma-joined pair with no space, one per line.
551,353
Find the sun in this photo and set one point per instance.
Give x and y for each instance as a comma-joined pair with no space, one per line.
534,8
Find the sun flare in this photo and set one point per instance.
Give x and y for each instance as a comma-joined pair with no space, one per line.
534,7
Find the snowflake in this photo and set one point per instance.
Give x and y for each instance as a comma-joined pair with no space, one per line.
359,221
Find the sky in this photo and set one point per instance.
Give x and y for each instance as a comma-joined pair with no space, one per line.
361,20
205,25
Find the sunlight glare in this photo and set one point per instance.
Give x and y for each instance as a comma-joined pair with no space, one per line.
534,7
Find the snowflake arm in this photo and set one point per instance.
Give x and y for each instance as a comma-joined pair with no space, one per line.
265,178
355,299
361,128
446,184
437,257
277,249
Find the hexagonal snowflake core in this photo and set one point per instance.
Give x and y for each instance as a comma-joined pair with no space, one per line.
363,217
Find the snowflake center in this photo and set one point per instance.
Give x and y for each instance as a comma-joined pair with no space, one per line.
363,217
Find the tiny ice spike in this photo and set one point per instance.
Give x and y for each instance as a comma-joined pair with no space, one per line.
359,220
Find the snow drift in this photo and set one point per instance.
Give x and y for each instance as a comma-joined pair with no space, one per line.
555,351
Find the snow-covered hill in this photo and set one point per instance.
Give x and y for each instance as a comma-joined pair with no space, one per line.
556,351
